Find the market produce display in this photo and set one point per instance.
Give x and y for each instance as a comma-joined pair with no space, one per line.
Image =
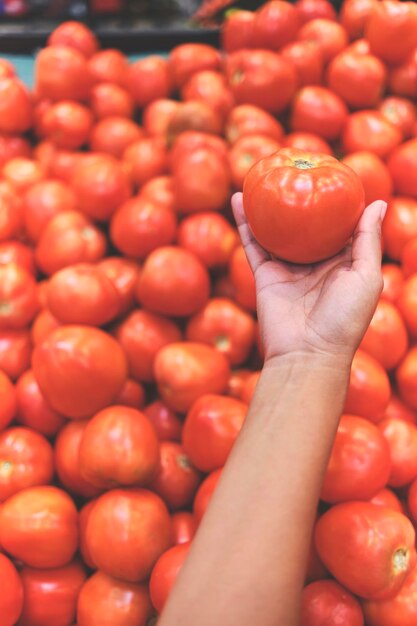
129,347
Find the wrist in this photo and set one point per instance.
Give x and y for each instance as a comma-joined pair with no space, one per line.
305,360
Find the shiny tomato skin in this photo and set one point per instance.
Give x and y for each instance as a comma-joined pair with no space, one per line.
326,602
142,334
119,446
123,273
224,325
400,225
168,426
184,527
68,124
139,226
401,610
157,116
19,254
146,158
75,35
15,352
18,295
68,238
400,112
13,146
307,59
16,109
62,73
312,9
66,459
369,388
127,530
374,174
50,595
209,236
188,58
210,430
79,369
26,460
369,130
354,15
209,87
352,533
359,79
39,526
173,282
113,135
270,206
247,151
359,464
396,23
8,396
204,494
386,338
184,371
387,498
42,202
318,110
237,31
106,601
309,142
43,324
402,165
131,394
108,100
175,480
148,79
108,66
11,601
402,78
331,36
396,408
262,78
407,304
242,279
393,279
402,440
406,378
159,190
22,173
276,24
247,119
164,574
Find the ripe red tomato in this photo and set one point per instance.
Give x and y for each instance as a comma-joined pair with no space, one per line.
247,119
370,569
318,110
402,440
247,151
359,79
184,527
308,61
11,147
108,99
11,599
394,22
92,369
387,499
42,202
18,295
374,174
400,610
309,142
22,173
106,601
209,236
146,158
354,15
16,109
165,572
242,279
386,338
131,394
406,375
43,324
127,531
74,35
210,430
26,460
400,112
56,162
197,115
7,69
50,595
237,31
359,465
276,24
11,217
123,273
113,134
142,334
189,58
311,9
402,80
167,425
39,526
393,282
68,238
331,36
412,500
119,446
369,388
204,494
224,325
409,258
159,190
210,87
148,80
175,480
403,168
62,73
262,78
370,131
325,602
8,397
68,124
173,282
15,352
269,206
398,410
399,226
108,66
185,371
157,116
407,304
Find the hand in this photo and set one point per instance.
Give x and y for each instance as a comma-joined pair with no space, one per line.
323,308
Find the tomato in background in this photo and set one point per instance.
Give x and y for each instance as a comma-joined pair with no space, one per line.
11,147
309,142
50,595
210,87
387,499
369,388
159,190
108,100
39,526
237,31
318,110
7,69
386,338
106,601
399,226
247,151
123,273
191,140
209,236
157,116
330,36
371,131
357,78
402,80
11,599
42,325
403,168
74,35
56,162
167,425
394,22
175,479
412,500
164,574
68,124
148,80
402,440
374,174
354,16
400,610
131,394
11,218
204,494
307,59
400,112
242,279
15,352
18,295
276,24
248,119
22,173
397,409
406,375
16,107
311,9
409,258
108,66
113,135
62,73
188,58
393,282
42,202
407,302
325,601
184,527
8,396
144,159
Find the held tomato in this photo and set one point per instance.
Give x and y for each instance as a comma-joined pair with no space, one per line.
368,549
369,388
402,440
210,430
359,465
277,198
412,500
386,338
79,369
315,568
175,480
106,601
401,610
276,24
8,395
165,573
209,236
326,602
167,425
11,599
184,527
396,23
118,446
39,526
127,531
318,110
374,174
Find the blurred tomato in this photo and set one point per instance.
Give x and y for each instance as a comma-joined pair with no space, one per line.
318,110
387,499
374,174
308,61
11,147
123,274
327,601
62,73
331,36
175,480
8,396
146,158
394,22
403,168
237,31
157,116
247,151
108,100
75,35
42,202
168,426
311,9
113,134
68,124
204,494
15,352
22,173
210,87
399,226
188,58
393,282
369,388
15,106
276,24
11,599
400,610
11,217
209,236
247,119
386,338
164,574
148,79
108,66
400,112
371,131
354,15
402,440
359,79
18,295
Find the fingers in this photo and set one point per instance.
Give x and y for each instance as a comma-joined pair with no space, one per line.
366,244
255,254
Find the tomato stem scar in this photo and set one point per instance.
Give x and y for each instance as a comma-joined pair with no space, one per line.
302,164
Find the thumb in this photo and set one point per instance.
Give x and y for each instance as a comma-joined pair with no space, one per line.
366,244
255,254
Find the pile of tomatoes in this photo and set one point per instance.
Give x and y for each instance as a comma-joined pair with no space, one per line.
129,348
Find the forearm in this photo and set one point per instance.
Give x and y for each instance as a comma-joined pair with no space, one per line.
247,563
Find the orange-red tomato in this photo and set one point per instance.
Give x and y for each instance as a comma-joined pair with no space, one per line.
119,446
262,78
247,119
354,15
66,458
191,140
318,110
11,599
342,541
399,226
68,124
106,601
189,58
242,279
196,115
7,69
175,480
108,99
224,325
157,116
74,35
398,410
15,352
11,217
18,295
412,500
247,151
371,131
409,257
123,274
209,236
374,174
127,531
327,601
308,61
159,190
402,440
79,369
312,9
168,426
184,371
165,572
58,163
386,338
331,36
400,610
407,304
184,527
369,388
131,394
237,31
210,430
108,66
16,114
148,79
62,73
42,202
113,134
276,24
406,375
50,595
42,325
142,334
394,22
289,196
145,159
387,499
8,394
400,112
403,168
357,78
11,147
402,80
39,526
309,142
393,282
204,494
26,460
210,87
22,173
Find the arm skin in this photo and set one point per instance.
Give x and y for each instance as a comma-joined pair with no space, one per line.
247,563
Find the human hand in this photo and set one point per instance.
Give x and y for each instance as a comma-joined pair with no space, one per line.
323,308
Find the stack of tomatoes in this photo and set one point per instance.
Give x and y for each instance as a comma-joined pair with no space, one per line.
129,349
